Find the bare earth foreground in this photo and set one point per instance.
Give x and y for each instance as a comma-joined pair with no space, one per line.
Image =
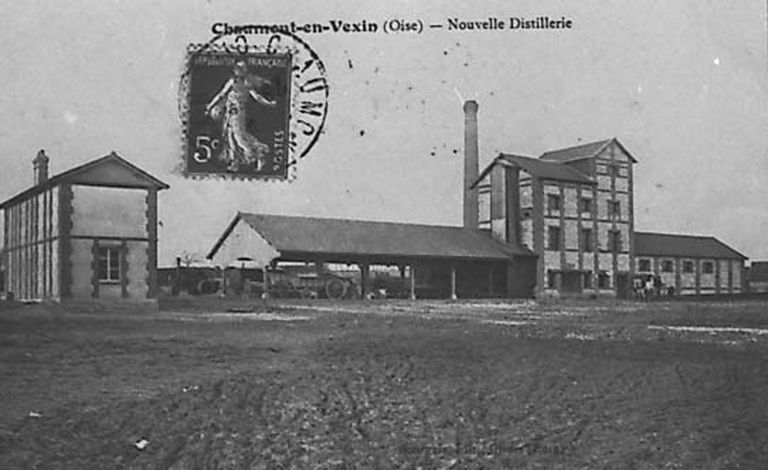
385,385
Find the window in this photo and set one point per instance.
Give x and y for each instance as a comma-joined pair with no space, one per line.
109,264
553,202
708,267
554,238
614,240
585,205
644,265
552,279
666,266
586,240
614,209
687,266
603,280
587,276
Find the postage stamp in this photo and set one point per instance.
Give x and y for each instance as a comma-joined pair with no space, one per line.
251,110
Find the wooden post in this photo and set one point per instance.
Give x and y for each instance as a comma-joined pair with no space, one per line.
453,282
364,270
413,281
490,279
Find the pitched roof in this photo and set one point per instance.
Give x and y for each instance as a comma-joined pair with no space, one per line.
758,271
357,238
79,174
694,246
582,151
539,168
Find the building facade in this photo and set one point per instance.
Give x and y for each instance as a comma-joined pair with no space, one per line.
87,233
757,277
573,207
691,264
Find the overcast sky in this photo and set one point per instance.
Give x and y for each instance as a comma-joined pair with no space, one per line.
683,85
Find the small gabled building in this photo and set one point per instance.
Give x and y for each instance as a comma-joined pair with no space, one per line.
691,264
87,233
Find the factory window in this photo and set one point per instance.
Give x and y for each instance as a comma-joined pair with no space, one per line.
614,241
586,240
585,205
666,266
644,265
708,267
554,238
603,280
552,279
109,264
553,202
614,209
687,266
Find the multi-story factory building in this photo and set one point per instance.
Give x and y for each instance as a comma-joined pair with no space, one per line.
573,207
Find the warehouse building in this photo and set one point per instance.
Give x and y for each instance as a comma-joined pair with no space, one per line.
87,233
690,264
758,276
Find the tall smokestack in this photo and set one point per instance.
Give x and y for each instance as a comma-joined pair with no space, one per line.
41,167
471,169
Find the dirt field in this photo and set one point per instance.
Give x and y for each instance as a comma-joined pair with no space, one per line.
386,385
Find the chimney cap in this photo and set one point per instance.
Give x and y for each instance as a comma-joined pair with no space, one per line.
470,106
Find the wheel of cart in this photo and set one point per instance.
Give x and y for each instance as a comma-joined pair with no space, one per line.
335,289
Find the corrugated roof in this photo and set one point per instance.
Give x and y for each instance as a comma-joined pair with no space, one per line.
694,246
758,271
548,170
68,175
350,238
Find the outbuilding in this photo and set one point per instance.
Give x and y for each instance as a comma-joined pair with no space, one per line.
87,233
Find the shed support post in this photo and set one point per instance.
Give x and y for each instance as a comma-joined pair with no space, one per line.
490,279
364,271
453,282
413,281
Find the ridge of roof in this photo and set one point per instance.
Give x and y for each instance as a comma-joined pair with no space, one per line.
675,244
582,151
67,174
352,237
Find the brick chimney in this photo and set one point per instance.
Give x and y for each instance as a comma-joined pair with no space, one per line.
471,165
41,167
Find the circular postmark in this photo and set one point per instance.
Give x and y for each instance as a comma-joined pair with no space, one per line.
251,108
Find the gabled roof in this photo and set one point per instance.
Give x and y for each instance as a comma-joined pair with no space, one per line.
109,170
758,271
582,151
538,168
378,240
693,246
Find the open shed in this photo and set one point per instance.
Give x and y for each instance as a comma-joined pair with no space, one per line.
458,261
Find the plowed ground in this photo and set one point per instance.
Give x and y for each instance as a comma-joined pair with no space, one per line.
383,385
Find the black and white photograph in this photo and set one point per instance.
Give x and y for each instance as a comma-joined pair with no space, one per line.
253,234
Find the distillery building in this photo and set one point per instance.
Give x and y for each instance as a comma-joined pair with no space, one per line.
87,233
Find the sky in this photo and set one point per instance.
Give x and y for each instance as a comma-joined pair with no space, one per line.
682,84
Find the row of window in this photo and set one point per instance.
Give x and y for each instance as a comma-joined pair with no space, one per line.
555,203
603,279
585,240
667,266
